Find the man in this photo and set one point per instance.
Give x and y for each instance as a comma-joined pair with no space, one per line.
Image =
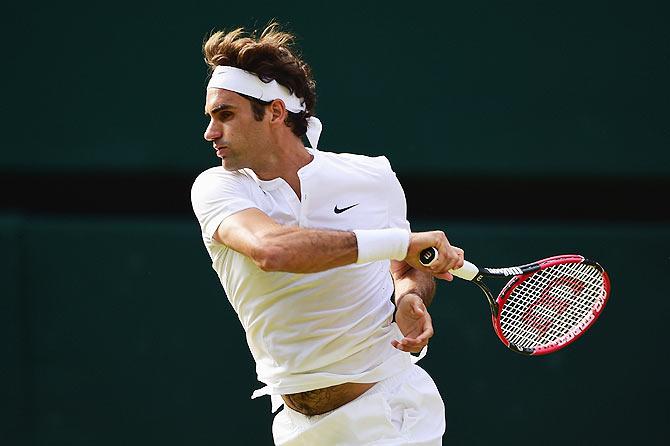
303,242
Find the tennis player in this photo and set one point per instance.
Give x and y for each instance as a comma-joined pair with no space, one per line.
315,254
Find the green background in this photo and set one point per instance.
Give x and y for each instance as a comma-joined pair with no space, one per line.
536,87
114,327
121,335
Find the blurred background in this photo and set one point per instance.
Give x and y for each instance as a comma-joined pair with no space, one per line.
523,129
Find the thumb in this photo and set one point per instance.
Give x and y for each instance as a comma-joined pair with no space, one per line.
418,308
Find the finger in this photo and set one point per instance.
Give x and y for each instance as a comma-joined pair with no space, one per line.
424,337
399,346
453,260
405,346
427,332
461,258
408,344
446,255
415,348
448,259
445,276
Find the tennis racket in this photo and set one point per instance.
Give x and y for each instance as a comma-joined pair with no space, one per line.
546,305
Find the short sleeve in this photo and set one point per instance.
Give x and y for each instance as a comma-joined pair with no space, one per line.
397,203
217,194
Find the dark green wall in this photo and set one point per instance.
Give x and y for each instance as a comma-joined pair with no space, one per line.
13,335
113,327
127,338
536,87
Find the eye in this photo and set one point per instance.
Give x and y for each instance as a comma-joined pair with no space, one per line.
224,114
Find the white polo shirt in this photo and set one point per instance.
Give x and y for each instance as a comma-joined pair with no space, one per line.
309,331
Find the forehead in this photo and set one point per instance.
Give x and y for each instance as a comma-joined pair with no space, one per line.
218,96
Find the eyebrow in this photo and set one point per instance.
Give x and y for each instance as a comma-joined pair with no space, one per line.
218,108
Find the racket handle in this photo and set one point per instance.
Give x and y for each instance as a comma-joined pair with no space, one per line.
468,271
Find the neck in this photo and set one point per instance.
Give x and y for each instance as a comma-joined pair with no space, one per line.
284,162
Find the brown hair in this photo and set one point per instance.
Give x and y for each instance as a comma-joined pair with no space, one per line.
270,56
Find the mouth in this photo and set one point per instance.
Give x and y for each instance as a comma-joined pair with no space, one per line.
220,151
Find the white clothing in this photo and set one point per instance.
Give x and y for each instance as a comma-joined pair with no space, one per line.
405,409
309,331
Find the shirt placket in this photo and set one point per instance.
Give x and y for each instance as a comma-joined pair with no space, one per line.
292,200
304,202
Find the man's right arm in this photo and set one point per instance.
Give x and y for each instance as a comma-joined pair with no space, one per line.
275,247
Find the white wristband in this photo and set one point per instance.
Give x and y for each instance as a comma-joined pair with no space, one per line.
381,244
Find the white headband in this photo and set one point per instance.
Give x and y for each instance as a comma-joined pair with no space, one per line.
244,82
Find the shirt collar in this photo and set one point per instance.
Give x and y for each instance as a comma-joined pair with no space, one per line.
304,171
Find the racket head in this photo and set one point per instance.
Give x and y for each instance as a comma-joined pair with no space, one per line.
549,308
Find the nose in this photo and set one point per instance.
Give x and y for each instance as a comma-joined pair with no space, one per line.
212,132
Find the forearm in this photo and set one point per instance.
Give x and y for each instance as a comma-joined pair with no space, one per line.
300,250
276,247
410,280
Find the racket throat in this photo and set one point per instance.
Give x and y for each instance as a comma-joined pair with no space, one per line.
489,297
495,310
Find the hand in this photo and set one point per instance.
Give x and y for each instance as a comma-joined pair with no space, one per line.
450,257
414,322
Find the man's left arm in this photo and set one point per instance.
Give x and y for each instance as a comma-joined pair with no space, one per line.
414,291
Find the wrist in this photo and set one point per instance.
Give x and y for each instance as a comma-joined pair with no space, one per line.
381,244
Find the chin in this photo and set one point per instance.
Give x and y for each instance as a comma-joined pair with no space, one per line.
229,166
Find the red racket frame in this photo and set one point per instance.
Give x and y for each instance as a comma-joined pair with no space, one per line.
517,280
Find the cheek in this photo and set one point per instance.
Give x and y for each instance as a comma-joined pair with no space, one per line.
231,134
245,137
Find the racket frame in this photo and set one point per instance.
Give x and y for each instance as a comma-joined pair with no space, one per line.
527,271
517,275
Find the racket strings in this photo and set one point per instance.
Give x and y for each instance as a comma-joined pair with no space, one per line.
551,306
554,312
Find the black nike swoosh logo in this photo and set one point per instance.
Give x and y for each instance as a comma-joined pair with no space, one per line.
339,211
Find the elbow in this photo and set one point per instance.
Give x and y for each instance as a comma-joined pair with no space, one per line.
270,258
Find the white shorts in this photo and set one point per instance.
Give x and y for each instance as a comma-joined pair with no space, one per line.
405,409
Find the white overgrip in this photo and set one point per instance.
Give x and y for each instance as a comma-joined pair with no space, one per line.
468,271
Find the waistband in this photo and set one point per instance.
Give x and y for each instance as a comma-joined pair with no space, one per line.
276,401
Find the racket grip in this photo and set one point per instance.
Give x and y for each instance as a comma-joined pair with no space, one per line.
468,271
428,256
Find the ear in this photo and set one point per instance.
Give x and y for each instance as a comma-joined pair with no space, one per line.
277,111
